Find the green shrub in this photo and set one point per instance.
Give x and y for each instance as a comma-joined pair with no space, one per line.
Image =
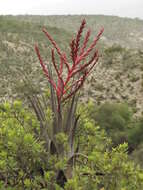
115,119
25,164
135,135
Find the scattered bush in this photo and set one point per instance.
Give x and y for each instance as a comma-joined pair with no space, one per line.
114,118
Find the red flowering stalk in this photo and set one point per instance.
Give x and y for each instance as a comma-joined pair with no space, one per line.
78,37
76,74
85,41
72,46
70,75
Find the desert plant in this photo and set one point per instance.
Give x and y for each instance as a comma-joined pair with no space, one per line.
65,79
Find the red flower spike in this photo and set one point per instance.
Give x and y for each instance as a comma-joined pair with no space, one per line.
85,42
85,54
53,42
77,41
56,47
55,66
72,46
44,67
67,86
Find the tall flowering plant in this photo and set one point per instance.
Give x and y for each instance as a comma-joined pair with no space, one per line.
69,76
78,71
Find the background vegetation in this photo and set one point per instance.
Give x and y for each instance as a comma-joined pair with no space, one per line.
109,135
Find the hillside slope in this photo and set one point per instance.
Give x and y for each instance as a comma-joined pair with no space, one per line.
125,31
117,77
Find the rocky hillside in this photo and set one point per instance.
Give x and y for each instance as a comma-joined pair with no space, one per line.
117,77
125,31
